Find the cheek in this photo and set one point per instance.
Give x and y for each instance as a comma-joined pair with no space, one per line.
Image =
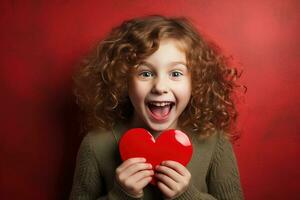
184,91
136,92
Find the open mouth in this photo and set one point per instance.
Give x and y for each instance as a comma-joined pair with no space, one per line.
160,110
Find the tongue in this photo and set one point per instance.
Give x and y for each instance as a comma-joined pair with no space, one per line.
160,111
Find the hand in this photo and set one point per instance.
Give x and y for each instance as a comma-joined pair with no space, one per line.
172,178
133,175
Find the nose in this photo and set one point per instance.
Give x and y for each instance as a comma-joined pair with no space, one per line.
160,86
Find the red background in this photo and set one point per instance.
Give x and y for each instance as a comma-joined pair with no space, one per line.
42,42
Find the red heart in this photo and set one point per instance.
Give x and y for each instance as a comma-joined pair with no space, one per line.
170,145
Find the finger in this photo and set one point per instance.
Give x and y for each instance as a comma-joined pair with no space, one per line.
178,167
144,181
165,189
169,172
141,175
132,169
129,162
167,181
139,180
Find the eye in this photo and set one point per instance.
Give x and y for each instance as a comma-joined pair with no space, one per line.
146,74
176,74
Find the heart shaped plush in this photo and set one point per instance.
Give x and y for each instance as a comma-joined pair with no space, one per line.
170,145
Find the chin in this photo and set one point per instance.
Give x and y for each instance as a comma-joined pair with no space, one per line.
159,127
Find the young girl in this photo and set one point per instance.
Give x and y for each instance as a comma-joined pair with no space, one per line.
157,73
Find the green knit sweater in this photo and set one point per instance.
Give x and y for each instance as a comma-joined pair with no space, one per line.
213,168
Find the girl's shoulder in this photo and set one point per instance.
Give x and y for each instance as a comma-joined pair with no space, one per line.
218,136
220,145
98,135
101,141
211,142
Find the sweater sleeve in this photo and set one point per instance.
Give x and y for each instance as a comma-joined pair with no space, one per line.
223,178
87,182
192,193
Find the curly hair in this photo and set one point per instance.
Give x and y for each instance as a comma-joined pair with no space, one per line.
101,82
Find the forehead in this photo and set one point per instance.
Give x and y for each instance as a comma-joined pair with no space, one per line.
169,50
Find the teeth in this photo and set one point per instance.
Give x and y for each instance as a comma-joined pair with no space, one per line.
160,104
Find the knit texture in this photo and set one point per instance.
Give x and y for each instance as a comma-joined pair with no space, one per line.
213,168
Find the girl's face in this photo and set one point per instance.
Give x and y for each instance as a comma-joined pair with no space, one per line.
160,87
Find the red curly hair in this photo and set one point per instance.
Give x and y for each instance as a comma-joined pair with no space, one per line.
101,83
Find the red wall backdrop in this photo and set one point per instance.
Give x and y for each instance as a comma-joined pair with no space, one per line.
42,42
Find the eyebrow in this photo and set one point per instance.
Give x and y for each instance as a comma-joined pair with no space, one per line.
170,64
